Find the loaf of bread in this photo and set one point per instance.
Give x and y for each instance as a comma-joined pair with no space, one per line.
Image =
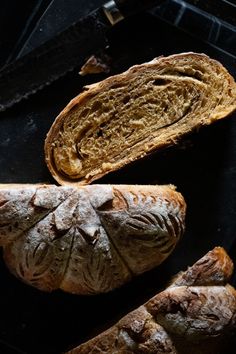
192,316
87,239
127,116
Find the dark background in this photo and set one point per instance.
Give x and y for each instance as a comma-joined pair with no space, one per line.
203,167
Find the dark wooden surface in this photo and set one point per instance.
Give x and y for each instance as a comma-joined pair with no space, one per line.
203,168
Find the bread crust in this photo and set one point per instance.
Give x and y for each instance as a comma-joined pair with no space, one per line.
99,132
91,239
184,318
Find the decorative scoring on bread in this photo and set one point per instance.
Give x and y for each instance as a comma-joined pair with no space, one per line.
193,315
91,239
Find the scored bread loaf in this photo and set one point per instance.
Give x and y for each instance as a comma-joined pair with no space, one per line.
192,316
130,115
89,239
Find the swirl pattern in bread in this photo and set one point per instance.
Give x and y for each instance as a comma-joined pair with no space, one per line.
130,115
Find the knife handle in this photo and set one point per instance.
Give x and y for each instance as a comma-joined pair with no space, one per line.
116,10
131,7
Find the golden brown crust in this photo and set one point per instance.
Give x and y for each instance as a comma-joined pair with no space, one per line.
214,268
91,239
184,318
127,116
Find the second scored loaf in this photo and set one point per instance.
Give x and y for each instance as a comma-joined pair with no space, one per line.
127,116
87,240
194,315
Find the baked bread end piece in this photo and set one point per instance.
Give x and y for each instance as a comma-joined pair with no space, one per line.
125,117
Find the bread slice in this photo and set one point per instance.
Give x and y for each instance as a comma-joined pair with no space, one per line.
130,115
90,239
193,315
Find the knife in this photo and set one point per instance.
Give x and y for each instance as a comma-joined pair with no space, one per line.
66,51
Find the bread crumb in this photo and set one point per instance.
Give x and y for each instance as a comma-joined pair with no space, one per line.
94,65
106,166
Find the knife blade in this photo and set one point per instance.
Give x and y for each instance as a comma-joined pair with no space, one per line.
66,51
53,21
31,21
